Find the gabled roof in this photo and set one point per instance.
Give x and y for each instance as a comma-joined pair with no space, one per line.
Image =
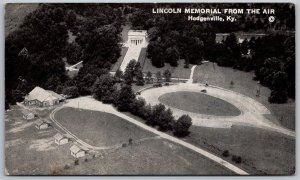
75,149
58,136
39,122
26,112
41,95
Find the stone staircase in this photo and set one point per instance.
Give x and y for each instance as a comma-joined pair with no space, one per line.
133,52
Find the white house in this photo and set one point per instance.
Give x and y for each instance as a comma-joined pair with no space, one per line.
28,114
60,139
41,97
77,152
41,124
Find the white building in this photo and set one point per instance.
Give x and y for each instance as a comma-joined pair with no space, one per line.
137,38
28,114
60,139
41,124
77,152
41,97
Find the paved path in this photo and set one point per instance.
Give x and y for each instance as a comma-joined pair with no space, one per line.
92,104
252,112
190,81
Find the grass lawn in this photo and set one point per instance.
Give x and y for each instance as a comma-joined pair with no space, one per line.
15,14
199,103
177,72
262,152
243,83
99,128
29,151
116,66
152,157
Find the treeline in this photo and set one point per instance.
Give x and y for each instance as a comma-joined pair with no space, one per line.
271,57
124,99
34,53
172,37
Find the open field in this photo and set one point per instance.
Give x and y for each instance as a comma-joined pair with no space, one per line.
199,103
117,65
262,152
29,151
99,128
155,157
15,14
177,72
283,114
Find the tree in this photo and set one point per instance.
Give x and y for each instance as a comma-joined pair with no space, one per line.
125,98
156,115
140,78
244,47
172,56
137,106
182,125
167,120
167,75
71,91
104,88
118,75
158,76
149,77
278,96
129,72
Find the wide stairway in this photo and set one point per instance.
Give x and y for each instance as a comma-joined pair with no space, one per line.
133,52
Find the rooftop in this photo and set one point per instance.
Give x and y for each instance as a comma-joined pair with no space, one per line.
137,33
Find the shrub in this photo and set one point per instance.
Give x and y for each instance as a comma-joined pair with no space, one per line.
130,141
225,153
76,162
182,125
236,159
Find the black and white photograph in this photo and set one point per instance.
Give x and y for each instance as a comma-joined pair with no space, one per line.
149,89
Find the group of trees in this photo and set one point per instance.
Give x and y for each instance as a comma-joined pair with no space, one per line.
124,99
171,38
271,57
134,74
34,53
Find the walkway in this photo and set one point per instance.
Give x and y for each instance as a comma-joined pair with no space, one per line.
91,104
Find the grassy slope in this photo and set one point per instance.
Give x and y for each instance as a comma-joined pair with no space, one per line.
32,152
179,71
199,103
262,152
99,128
116,66
243,83
15,14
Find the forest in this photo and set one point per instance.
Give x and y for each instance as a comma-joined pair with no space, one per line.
34,53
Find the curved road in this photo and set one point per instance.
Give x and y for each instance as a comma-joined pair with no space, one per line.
252,112
91,104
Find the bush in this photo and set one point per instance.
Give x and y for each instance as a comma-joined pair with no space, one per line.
130,141
71,91
76,162
278,96
236,159
182,125
225,153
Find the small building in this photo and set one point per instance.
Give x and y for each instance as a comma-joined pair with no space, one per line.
27,114
77,152
41,124
41,97
60,139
